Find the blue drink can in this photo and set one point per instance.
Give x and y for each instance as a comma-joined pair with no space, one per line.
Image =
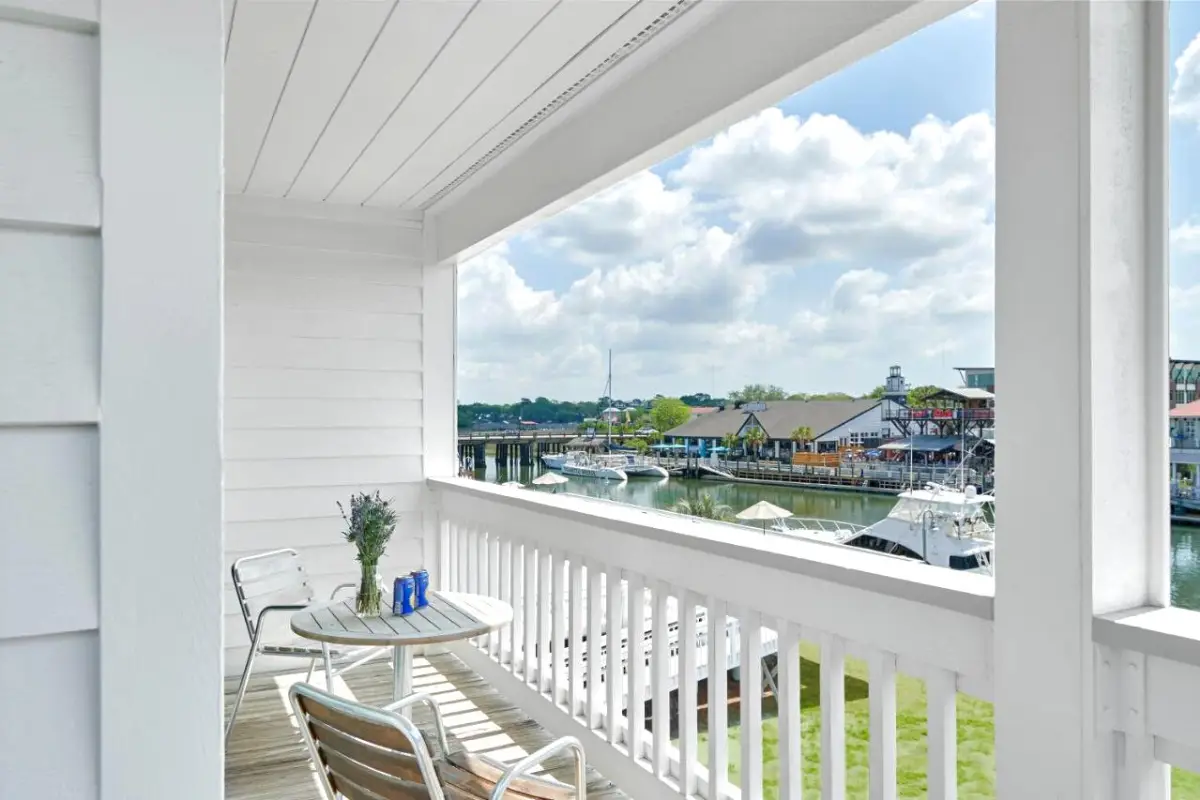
421,582
402,595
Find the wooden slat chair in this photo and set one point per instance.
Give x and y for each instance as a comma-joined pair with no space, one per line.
366,753
276,583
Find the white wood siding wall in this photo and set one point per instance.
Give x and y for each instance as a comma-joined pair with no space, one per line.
323,386
49,396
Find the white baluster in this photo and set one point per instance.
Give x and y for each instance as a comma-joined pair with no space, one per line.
494,589
545,664
614,675
531,611
595,604
833,718
718,731
750,701
791,764
635,696
506,594
517,642
443,574
464,548
470,547
941,692
577,624
689,754
452,559
882,691
558,611
660,665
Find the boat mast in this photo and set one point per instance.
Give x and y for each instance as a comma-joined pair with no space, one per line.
608,391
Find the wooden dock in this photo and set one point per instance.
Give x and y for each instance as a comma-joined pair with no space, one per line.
266,759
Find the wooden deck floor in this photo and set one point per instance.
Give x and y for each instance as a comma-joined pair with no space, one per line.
266,758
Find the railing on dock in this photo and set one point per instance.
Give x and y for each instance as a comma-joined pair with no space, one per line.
573,570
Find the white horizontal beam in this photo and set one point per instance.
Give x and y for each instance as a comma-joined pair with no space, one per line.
746,57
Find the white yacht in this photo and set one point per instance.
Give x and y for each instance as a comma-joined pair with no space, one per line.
634,465
582,465
940,525
554,460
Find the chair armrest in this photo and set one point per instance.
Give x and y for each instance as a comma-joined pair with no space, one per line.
421,697
340,587
533,759
281,607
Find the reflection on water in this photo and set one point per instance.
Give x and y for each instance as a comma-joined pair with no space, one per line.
863,509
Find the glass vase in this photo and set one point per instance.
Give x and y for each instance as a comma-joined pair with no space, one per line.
369,600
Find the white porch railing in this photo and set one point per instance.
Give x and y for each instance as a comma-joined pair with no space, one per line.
558,561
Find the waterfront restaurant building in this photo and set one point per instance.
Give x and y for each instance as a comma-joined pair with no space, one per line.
833,423
229,238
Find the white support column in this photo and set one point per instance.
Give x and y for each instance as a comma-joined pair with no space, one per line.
1081,293
439,367
161,679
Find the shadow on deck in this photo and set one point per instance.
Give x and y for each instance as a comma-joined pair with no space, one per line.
266,758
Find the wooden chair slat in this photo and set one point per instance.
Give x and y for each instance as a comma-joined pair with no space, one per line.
380,735
346,770
397,764
477,776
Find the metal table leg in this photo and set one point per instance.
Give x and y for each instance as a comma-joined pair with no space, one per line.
401,673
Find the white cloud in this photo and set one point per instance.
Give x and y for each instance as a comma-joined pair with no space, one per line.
1185,90
724,272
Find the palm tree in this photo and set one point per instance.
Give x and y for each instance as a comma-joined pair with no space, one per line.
800,437
755,438
703,506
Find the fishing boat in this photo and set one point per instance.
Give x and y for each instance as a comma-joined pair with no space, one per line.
634,465
940,525
582,465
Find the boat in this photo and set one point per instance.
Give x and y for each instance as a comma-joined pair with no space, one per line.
581,465
554,460
937,524
633,465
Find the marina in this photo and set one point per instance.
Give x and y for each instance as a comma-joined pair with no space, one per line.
853,507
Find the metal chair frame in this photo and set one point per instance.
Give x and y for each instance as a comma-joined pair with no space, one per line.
254,627
390,716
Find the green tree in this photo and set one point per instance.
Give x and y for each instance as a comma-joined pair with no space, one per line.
918,396
801,436
730,441
703,506
755,438
640,445
876,393
757,391
668,413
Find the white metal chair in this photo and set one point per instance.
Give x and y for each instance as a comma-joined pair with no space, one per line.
273,583
365,752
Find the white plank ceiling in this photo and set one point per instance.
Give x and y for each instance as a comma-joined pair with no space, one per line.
393,102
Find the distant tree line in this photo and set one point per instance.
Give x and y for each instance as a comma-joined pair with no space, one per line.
543,410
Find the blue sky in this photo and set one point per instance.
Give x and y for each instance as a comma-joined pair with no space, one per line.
702,279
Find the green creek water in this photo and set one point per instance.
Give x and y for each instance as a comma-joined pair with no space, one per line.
863,509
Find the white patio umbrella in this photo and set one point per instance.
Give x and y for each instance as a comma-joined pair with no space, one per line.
550,479
764,512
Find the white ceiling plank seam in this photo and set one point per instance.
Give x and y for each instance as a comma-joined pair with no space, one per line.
387,121
409,42
482,82
575,29
283,91
642,37
340,41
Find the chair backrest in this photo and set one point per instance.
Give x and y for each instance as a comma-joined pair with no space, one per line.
267,579
361,752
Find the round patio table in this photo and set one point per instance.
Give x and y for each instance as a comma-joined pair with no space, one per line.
448,617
